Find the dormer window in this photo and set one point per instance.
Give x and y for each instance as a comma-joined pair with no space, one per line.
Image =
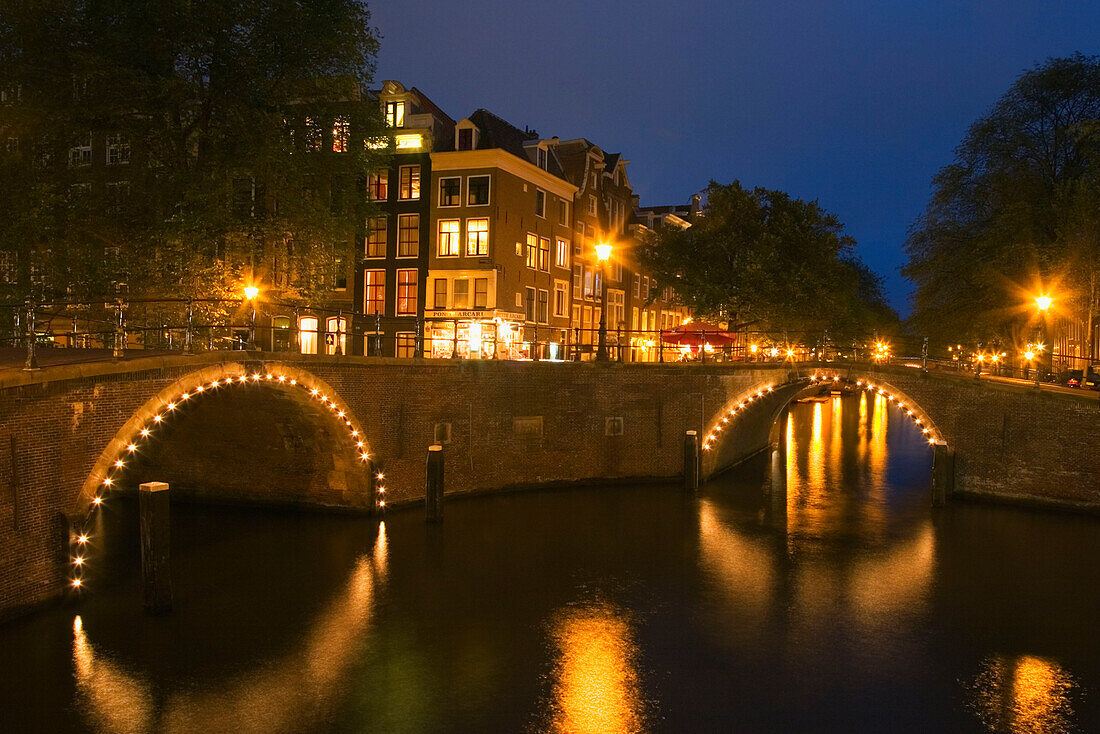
465,139
541,158
395,114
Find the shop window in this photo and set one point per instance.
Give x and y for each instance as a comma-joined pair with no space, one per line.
376,237
450,191
439,294
461,293
406,345
477,237
374,292
409,183
406,292
481,292
307,334
408,235
449,234
478,190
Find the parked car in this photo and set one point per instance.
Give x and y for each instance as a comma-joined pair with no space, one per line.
1091,381
1070,378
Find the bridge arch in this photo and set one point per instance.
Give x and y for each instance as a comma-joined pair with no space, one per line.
160,409
745,424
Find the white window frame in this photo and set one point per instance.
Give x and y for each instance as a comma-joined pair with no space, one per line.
455,238
440,201
400,182
469,231
416,254
489,198
542,214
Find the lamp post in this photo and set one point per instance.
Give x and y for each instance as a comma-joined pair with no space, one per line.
1043,302
250,292
603,253
1030,355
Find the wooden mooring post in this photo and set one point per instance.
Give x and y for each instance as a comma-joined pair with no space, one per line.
433,497
691,461
156,575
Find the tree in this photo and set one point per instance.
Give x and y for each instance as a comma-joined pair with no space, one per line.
759,256
211,109
1015,212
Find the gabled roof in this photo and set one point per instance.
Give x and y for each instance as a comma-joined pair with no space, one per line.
496,132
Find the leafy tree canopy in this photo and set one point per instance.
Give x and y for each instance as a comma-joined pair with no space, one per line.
210,99
761,257
1016,213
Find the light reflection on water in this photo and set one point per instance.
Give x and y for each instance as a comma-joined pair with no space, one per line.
596,688
814,590
284,695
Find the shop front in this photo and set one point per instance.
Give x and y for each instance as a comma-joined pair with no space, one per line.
477,334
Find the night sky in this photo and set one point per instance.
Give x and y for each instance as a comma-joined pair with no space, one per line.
855,103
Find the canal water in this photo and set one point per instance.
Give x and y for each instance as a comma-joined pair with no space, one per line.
846,605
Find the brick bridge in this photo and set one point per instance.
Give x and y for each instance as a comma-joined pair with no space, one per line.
351,433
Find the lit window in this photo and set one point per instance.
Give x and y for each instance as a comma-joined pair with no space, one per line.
395,114
587,283
312,135
307,334
532,252
477,237
439,298
478,190
577,278
544,254
118,150
376,237
409,187
336,331
374,292
408,235
449,234
561,254
540,203
406,344
461,293
406,292
450,191
378,186
481,292
341,134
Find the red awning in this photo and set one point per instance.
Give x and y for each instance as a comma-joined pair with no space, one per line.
696,334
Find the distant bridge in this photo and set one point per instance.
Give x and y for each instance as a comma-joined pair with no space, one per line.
351,432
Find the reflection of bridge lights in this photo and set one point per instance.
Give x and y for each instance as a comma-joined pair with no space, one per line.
82,539
78,561
77,583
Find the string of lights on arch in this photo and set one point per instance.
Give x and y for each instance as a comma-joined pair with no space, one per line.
746,400
133,444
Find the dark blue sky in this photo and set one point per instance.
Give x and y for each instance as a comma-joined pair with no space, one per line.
855,103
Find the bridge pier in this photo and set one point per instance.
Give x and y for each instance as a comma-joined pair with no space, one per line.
691,461
433,500
156,575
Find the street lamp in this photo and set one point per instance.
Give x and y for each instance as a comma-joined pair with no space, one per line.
251,292
603,254
1043,302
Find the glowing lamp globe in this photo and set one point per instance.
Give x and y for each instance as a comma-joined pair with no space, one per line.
603,251
1043,302
251,292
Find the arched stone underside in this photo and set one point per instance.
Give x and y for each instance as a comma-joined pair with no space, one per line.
743,427
159,409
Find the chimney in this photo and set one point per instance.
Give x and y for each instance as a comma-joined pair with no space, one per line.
696,203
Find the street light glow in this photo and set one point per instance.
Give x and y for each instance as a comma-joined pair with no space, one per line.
603,251
251,291
1043,302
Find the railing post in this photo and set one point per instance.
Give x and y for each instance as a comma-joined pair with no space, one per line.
377,334
340,331
978,369
433,497
619,344
454,341
691,461
418,340
943,473
924,356
577,344
661,345
32,357
535,347
120,330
